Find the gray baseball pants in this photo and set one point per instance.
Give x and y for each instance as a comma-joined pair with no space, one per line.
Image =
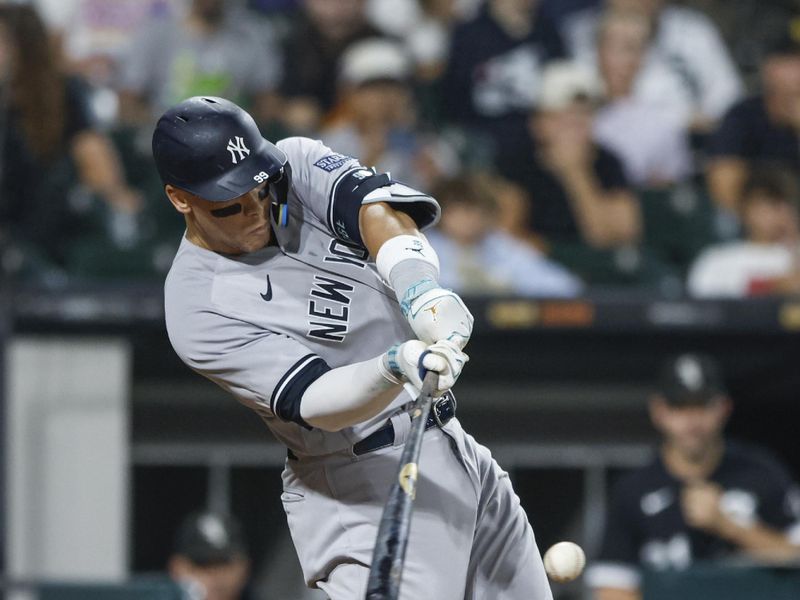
470,538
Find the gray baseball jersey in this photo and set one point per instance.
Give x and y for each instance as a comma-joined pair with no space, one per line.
264,325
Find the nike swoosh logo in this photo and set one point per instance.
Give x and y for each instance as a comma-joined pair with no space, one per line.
268,296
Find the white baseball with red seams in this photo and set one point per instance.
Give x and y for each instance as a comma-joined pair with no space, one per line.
564,561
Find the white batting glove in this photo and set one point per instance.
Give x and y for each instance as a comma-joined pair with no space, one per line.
440,315
410,360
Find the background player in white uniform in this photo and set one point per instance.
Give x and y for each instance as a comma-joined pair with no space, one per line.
274,297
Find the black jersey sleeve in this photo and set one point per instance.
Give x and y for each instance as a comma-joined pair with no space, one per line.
779,506
617,564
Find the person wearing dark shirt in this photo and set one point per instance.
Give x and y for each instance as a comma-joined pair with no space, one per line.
47,145
702,498
492,78
210,559
764,128
578,189
312,52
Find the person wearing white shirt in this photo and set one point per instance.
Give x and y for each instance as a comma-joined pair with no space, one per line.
768,260
688,68
653,146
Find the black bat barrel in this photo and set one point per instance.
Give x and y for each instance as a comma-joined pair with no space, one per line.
386,571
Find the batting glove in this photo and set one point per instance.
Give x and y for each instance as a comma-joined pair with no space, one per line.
410,360
440,315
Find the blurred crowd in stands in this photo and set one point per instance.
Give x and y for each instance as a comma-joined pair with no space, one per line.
573,144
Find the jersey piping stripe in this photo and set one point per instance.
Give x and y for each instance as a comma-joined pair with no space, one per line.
332,193
287,377
420,197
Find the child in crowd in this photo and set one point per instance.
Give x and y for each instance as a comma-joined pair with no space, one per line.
477,257
767,261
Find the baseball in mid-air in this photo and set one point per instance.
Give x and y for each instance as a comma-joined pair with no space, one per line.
564,561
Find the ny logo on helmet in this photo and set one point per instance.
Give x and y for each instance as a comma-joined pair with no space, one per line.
239,148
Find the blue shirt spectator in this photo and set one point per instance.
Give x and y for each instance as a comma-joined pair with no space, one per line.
479,258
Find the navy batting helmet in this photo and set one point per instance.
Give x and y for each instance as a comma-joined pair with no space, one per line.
212,148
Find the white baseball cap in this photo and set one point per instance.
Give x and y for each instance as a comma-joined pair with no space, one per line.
565,81
374,59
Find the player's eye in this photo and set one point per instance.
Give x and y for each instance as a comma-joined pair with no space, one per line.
227,211
263,192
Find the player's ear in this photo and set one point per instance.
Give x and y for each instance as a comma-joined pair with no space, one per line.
179,199
179,567
725,407
657,406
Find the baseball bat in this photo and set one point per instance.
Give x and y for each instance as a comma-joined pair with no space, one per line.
389,554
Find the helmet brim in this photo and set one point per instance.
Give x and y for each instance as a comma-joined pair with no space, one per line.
267,158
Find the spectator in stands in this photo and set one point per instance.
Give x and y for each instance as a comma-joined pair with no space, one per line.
702,498
493,76
375,120
577,188
94,36
273,7
762,21
214,49
557,11
479,258
688,68
759,129
49,144
767,261
312,52
652,144
424,26
210,560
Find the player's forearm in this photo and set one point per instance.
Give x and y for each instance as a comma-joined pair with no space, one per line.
355,393
379,222
758,540
98,164
347,395
409,264
616,594
604,218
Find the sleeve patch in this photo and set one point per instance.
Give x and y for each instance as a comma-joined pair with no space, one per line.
333,161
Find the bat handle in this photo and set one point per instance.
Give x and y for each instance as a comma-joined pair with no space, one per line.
429,384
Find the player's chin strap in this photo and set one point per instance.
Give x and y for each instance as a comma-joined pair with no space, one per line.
279,193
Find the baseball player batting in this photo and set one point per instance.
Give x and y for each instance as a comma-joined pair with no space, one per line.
304,287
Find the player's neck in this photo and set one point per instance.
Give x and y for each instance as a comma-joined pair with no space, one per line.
685,467
516,22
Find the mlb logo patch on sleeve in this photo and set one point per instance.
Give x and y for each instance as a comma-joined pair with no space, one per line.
331,162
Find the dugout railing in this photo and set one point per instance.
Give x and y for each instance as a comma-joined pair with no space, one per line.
557,389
